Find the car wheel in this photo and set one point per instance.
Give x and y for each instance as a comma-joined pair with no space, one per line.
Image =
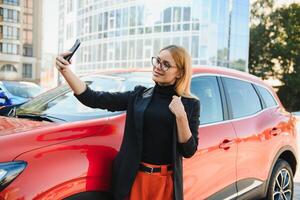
281,185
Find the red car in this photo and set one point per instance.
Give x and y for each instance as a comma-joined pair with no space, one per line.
56,148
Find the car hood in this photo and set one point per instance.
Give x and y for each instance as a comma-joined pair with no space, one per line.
14,125
18,136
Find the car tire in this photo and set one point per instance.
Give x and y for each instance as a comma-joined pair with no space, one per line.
281,182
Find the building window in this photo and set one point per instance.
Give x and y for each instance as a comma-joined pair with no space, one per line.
27,36
203,52
9,48
177,14
140,15
195,46
27,19
10,32
167,15
132,18
8,68
111,20
10,15
105,21
70,6
28,50
12,2
70,31
125,15
186,14
27,70
28,3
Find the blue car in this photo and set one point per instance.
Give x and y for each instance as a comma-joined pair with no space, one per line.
17,92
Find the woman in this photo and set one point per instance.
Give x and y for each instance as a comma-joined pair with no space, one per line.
161,127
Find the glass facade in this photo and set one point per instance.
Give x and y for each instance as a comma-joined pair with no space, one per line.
126,33
239,37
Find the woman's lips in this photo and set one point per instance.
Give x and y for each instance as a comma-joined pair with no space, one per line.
157,74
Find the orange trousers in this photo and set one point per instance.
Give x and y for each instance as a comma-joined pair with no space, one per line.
154,186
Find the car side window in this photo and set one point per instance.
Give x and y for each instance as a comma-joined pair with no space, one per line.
267,97
243,97
207,90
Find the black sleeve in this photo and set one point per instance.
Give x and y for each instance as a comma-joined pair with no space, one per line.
189,148
112,101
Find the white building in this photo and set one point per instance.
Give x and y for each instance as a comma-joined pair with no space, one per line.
127,33
20,40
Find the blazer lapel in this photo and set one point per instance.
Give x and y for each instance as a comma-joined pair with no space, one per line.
139,109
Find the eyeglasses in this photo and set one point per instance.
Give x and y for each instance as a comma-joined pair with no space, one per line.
164,65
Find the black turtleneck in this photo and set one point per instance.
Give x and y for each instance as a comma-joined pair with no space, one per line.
158,127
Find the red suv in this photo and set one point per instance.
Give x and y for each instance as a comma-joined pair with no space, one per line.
53,147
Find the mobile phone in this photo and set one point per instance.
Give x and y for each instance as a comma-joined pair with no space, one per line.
72,50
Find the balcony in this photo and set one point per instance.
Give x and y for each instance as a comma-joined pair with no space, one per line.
8,75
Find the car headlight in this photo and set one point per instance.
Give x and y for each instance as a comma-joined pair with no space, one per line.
9,171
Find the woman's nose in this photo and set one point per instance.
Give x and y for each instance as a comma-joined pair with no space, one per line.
158,66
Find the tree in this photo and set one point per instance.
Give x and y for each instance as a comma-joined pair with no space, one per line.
286,50
259,53
275,41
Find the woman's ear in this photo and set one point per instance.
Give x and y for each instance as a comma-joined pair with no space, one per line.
179,75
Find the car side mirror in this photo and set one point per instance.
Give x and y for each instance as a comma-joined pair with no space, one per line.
2,95
3,98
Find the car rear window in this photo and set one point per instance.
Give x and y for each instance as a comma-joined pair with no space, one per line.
267,97
243,97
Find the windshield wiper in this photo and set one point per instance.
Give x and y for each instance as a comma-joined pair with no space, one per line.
42,117
10,111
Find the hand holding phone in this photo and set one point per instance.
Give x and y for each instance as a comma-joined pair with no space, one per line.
72,50
61,63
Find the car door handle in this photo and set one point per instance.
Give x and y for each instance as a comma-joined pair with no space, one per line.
226,144
275,131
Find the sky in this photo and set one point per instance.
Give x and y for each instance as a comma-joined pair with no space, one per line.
50,18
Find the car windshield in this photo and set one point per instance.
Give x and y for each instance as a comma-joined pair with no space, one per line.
61,104
22,89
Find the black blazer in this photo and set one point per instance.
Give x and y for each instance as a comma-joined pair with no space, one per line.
127,161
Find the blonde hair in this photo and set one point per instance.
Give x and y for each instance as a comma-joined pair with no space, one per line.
183,62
